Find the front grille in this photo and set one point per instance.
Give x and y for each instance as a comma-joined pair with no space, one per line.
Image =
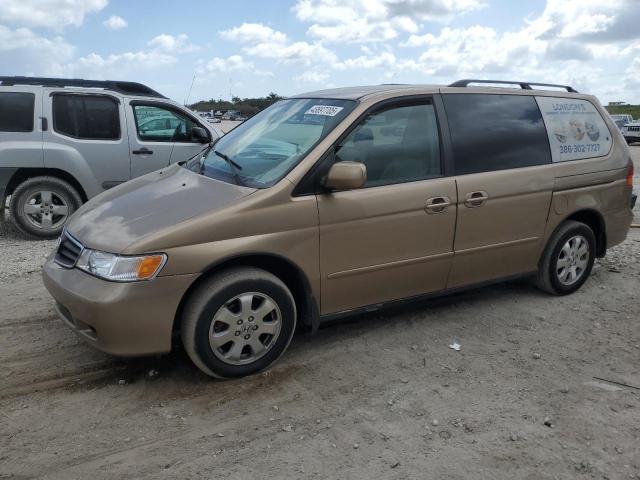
633,129
68,251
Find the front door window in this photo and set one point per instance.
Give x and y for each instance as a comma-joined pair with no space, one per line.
159,124
397,145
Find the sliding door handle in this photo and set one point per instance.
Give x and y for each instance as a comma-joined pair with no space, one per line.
476,199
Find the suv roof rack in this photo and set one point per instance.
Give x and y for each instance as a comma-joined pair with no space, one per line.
131,88
523,85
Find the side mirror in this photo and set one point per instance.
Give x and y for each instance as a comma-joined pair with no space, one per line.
346,176
200,134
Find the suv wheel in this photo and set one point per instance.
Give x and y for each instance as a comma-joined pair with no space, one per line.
40,206
568,259
238,322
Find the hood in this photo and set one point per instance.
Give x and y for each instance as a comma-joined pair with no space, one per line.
118,217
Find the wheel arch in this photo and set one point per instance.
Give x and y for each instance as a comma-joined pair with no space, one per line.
595,221
283,268
22,174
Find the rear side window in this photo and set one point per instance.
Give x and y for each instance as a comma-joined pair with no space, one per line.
16,111
496,132
86,117
575,127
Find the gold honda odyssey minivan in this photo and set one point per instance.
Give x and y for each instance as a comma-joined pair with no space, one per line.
344,200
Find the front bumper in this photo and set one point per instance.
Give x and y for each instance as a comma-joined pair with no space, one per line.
126,319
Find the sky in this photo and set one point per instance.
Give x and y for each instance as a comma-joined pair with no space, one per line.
250,48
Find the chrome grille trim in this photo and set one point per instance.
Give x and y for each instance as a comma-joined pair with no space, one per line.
68,251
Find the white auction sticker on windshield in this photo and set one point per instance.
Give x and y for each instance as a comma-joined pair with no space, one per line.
326,110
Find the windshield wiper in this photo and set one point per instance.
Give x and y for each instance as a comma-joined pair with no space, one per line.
235,168
202,152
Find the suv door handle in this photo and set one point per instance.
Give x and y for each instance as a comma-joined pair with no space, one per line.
476,199
142,151
437,204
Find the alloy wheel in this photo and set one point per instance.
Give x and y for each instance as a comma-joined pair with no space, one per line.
46,210
245,328
573,260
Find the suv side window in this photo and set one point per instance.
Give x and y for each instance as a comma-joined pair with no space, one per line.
495,132
397,144
88,117
159,124
16,111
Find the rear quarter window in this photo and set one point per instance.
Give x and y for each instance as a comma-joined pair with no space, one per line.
575,128
495,132
86,117
16,111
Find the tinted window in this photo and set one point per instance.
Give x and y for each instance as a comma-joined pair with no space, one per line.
16,112
86,117
159,124
397,145
496,132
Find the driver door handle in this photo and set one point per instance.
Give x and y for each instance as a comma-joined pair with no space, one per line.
476,199
437,204
142,151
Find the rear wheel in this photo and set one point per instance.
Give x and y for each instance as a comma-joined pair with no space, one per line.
40,206
238,322
568,259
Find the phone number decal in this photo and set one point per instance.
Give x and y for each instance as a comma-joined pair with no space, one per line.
586,148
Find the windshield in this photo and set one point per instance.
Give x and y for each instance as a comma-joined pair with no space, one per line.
262,150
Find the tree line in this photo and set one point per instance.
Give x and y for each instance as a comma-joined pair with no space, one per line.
246,106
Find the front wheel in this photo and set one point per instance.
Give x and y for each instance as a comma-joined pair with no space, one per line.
568,259
238,322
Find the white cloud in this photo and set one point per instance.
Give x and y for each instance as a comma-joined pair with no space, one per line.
55,14
119,65
234,63
254,32
367,61
115,22
557,46
22,52
374,20
312,76
219,66
262,41
172,43
298,52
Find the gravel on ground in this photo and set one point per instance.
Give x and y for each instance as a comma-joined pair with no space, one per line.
541,387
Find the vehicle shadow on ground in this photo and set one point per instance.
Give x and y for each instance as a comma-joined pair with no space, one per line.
177,367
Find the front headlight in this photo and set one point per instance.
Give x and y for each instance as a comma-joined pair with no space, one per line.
120,268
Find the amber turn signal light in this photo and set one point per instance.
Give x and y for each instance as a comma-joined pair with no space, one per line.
148,266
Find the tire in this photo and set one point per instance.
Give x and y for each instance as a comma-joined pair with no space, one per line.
563,267
219,308
40,206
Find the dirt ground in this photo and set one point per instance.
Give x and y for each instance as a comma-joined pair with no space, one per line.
532,393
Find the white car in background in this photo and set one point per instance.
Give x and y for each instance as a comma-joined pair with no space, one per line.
631,132
621,120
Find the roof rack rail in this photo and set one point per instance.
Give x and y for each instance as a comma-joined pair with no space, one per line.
523,85
131,88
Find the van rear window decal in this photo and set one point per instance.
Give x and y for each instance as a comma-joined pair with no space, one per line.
575,128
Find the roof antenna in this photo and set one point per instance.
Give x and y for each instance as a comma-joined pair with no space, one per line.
190,88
